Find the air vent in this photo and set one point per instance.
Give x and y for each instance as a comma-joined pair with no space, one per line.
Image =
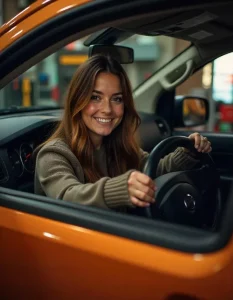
163,127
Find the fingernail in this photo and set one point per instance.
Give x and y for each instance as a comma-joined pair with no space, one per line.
147,204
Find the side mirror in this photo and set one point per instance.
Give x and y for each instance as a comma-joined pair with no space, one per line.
124,55
190,111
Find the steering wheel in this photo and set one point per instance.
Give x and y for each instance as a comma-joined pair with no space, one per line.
189,197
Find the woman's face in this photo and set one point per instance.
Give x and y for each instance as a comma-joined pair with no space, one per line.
105,109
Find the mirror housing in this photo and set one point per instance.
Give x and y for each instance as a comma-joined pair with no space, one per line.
190,111
124,55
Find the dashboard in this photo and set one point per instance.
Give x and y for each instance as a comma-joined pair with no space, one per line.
21,158
19,137
21,133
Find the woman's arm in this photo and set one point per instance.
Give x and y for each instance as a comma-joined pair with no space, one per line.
175,161
60,178
181,159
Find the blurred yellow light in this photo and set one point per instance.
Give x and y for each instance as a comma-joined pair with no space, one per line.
72,59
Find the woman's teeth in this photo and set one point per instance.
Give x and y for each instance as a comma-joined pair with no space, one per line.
103,120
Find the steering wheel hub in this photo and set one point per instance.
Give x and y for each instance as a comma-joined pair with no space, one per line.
190,203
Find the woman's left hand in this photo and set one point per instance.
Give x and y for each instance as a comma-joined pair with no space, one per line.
202,144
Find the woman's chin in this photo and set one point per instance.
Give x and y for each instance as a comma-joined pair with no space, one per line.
105,133
102,133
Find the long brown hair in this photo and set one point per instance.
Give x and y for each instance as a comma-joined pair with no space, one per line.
121,146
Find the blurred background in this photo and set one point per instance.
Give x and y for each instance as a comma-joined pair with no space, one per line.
45,84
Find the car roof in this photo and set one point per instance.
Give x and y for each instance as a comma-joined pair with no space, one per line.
30,10
200,26
176,24
37,14
207,24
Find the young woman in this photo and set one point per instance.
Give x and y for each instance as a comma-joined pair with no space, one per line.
93,157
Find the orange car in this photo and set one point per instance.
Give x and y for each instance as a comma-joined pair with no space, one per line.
56,250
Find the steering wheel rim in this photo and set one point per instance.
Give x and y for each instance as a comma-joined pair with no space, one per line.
166,146
150,168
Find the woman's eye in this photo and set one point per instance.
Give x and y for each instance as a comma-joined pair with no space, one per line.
95,97
118,99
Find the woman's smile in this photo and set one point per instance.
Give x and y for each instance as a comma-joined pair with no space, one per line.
103,121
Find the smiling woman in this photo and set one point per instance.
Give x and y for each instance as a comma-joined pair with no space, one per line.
93,157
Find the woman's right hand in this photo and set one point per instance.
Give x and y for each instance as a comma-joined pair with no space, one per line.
141,189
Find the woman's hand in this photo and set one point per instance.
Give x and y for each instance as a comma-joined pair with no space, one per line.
141,189
202,144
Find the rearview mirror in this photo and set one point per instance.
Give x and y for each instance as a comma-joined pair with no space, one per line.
124,55
191,111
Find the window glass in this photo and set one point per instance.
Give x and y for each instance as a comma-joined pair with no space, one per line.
44,85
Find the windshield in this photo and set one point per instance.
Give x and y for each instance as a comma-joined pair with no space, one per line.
44,85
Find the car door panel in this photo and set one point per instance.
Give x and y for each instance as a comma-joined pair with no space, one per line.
47,259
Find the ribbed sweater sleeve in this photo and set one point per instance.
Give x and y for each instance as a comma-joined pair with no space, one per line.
59,175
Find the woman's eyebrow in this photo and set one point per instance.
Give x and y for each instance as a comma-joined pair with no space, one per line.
100,93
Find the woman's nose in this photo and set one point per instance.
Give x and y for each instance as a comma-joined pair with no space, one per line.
106,106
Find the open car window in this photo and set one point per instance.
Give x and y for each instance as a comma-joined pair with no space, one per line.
43,86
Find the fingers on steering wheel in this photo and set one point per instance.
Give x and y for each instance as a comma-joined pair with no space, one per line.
202,144
143,196
207,147
139,203
197,139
